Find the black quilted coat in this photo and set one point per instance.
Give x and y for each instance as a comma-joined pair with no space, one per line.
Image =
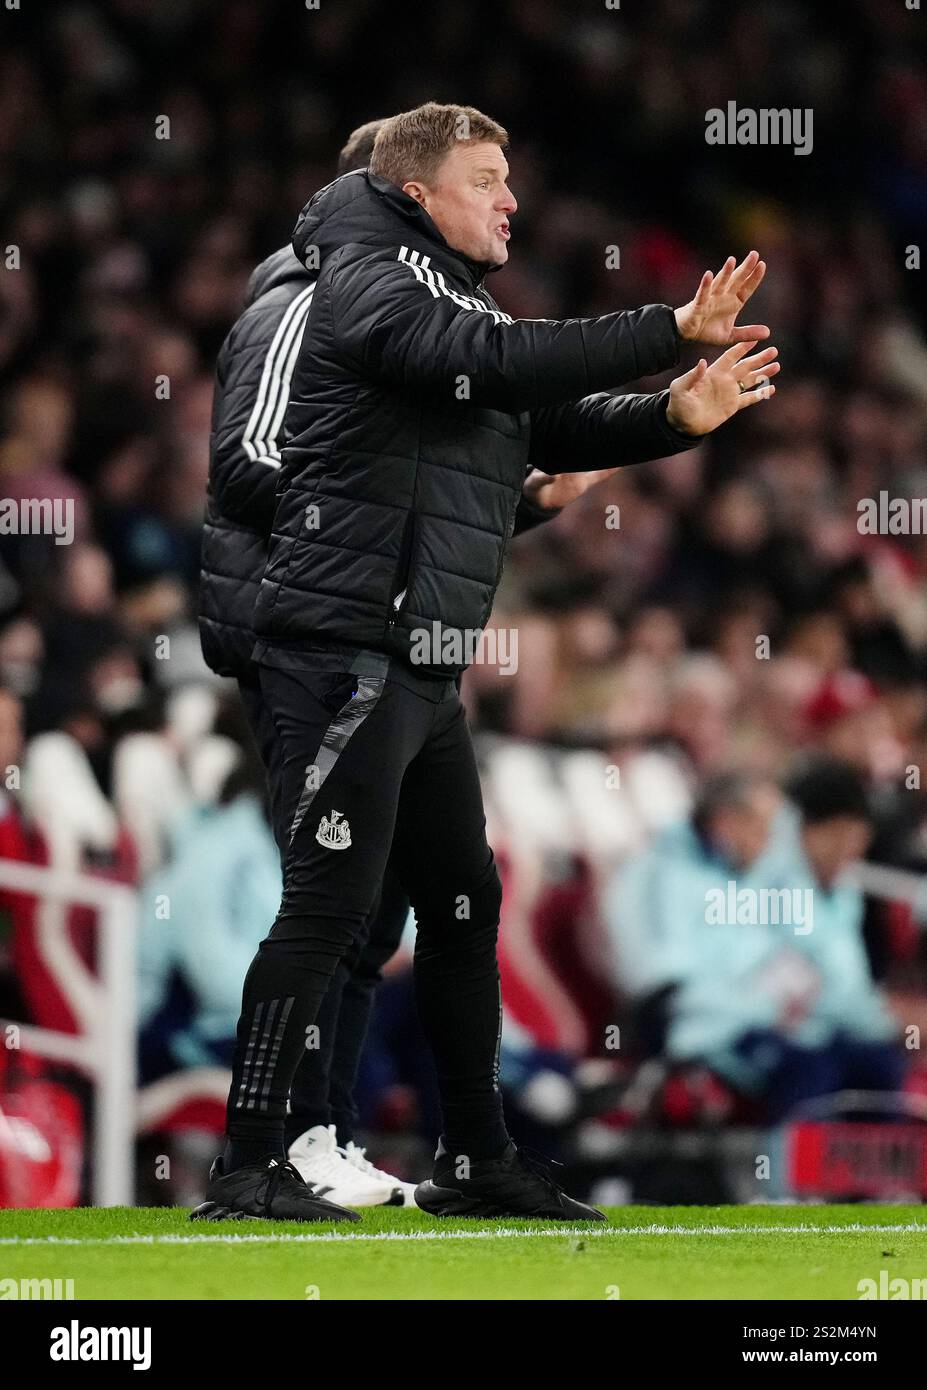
416,409
252,388
253,377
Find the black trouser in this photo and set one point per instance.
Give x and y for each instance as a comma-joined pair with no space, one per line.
371,768
322,1091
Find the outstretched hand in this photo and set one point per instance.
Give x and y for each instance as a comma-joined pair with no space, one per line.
702,399
711,317
555,491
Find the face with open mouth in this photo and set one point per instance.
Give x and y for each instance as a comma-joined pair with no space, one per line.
470,201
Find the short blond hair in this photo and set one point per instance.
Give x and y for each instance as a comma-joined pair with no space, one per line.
413,144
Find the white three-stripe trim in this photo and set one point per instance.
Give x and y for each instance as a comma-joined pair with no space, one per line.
260,439
434,281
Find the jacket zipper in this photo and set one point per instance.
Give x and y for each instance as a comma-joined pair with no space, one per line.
498,579
400,585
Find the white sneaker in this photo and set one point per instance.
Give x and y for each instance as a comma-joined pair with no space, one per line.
358,1158
332,1174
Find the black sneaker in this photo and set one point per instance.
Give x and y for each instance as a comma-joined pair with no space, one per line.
514,1184
273,1190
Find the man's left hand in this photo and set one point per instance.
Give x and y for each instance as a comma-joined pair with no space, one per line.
702,399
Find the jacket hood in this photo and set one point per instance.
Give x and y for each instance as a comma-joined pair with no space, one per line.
278,269
362,208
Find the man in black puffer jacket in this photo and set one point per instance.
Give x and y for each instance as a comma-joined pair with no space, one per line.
417,408
253,378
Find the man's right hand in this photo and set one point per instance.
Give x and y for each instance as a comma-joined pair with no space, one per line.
711,316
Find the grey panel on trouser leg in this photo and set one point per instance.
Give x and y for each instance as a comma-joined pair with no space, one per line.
261,1053
334,741
275,1052
249,1056
496,1061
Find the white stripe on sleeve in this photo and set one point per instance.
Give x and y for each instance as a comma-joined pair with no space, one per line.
260,437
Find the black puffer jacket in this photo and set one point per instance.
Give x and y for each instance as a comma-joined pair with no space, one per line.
252,388
416,409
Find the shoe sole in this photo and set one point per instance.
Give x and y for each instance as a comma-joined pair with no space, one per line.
448,1201
214,1211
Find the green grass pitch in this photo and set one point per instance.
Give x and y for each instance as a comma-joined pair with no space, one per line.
755,1252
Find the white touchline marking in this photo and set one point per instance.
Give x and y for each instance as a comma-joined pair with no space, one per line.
504,1233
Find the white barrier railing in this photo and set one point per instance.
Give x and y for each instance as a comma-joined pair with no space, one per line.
893,885
105,1048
